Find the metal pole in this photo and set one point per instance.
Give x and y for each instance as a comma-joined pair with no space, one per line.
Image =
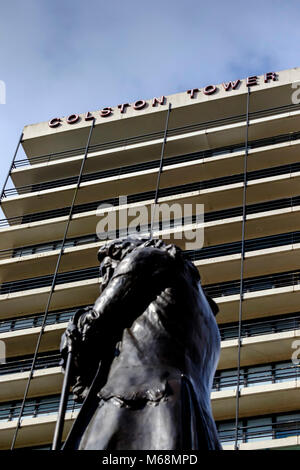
242,278
59,427
51,291
11,166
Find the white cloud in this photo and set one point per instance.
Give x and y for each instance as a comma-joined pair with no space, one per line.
70,56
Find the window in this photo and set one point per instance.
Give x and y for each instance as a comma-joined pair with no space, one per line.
258,429
228,379
284,371
43,248
22,251
287,425
260,375
226,432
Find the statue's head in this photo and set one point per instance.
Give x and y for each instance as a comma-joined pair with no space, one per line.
113,252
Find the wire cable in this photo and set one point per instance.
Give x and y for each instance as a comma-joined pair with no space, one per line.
12,165
160,170
236,447
52,288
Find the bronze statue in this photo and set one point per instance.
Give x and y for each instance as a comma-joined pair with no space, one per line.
145,354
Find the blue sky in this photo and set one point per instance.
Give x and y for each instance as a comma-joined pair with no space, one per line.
58,57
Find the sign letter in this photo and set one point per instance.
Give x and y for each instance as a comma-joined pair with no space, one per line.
140,104
105,112
88,116
233,85
270,76
251,81
55,122
122,107
156,101
192,92
210,89
72,118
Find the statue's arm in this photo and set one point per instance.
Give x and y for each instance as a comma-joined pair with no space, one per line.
137,281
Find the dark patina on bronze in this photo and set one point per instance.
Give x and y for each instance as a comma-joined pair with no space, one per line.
145,354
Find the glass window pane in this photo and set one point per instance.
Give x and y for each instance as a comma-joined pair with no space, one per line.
285,371
43,248
90,239
260,375
226,432
25,251
287,425
229,332
228,379
259,429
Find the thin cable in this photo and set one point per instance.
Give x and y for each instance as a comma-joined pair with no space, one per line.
236,447
11,166
52,288
160,169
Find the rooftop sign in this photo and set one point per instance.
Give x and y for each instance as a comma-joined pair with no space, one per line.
141,104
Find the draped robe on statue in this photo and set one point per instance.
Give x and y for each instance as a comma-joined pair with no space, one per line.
146,354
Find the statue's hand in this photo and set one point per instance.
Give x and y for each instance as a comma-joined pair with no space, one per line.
70,340
83,354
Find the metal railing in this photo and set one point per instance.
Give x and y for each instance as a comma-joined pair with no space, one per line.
94,176
33,321
228,331
155,135
12,366
263,374
145,196
203,253
269,281
261,327
44,281
266,282
277,430
253,244
34,407
48,246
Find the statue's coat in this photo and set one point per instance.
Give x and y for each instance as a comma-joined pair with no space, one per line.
155,335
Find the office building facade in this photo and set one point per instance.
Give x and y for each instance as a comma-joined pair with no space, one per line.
233,149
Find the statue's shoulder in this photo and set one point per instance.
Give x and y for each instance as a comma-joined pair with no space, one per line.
143,258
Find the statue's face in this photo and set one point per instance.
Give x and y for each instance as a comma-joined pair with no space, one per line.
111,254
107,269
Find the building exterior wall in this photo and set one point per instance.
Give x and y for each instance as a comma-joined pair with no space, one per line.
209,139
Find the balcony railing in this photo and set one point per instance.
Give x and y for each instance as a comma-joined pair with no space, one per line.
228,331
157,135
17,365
259,375
215,290
203,253
261,327
49,246
34,407
33,321
146,196
273,171
257,432
252,284
253,244
44,281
